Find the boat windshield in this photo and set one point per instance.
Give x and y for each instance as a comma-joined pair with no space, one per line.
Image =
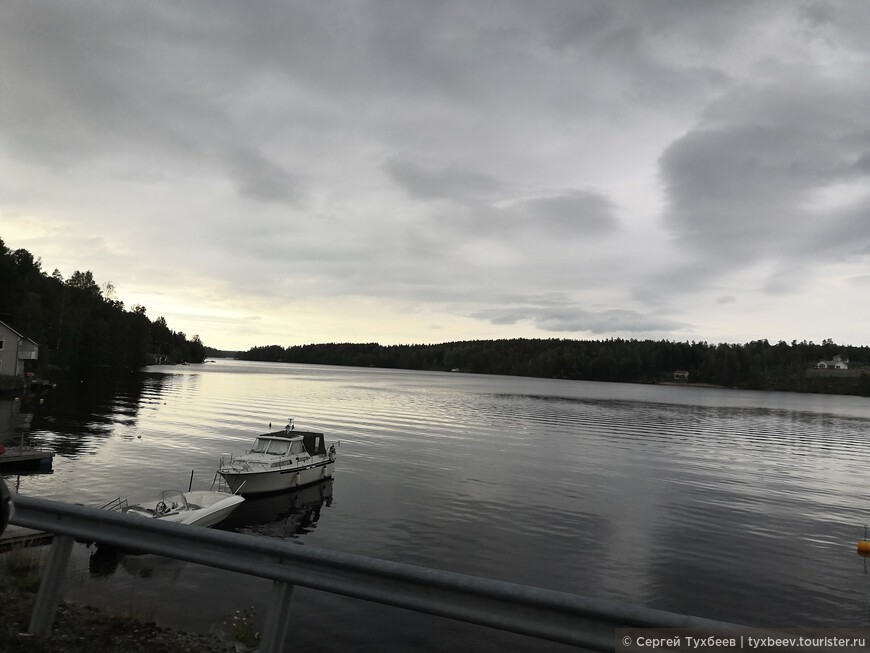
174,500
278,447
259,446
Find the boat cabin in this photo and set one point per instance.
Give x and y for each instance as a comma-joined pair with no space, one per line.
282,444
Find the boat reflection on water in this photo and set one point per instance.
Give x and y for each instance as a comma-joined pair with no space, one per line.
104,561
285,515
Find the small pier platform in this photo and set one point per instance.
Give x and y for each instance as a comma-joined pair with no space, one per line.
25,458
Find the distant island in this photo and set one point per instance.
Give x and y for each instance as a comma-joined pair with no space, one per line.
211,352
759,365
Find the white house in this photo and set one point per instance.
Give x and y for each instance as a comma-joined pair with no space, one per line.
14,350
836,364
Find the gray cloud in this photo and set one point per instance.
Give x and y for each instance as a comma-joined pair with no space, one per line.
262,179
742,184
442,183
442,155
572,213
555,312
483,204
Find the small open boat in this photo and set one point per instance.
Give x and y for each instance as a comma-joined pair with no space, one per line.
279,461
197,508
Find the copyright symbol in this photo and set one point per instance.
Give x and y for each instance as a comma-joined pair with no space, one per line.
626,641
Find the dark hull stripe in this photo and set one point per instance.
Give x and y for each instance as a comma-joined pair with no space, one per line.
305,469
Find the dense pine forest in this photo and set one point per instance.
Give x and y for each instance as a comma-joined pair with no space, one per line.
79,325
757,365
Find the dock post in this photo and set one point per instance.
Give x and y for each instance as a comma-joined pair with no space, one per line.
45,607
277,619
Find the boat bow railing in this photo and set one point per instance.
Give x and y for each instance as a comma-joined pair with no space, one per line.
244,466
116,504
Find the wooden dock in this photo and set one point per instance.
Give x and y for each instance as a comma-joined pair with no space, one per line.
17,537
25,458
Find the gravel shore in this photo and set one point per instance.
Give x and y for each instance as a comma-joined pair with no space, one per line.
81,629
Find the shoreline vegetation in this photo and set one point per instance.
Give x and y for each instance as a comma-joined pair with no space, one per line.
79,325
758,365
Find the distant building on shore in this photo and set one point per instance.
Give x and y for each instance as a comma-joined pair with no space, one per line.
837,363
15,349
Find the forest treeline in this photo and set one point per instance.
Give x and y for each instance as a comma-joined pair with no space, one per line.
757,365
79,325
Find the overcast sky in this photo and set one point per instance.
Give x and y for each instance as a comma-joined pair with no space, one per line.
284,172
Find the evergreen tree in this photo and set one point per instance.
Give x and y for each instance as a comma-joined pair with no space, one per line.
79,325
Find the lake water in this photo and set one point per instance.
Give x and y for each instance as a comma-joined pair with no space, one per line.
732,505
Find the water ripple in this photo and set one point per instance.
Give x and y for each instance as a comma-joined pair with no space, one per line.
730,505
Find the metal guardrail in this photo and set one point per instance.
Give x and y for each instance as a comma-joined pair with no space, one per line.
557,616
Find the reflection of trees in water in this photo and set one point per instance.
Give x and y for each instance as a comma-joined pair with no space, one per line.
78,413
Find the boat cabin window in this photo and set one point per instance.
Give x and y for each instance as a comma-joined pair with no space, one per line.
297,447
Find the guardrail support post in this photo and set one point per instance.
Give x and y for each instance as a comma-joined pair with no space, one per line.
45,607
278,618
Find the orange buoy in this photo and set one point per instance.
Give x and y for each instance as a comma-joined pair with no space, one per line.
864,546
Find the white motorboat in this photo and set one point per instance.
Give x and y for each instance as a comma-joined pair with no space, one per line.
278,461
198,507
